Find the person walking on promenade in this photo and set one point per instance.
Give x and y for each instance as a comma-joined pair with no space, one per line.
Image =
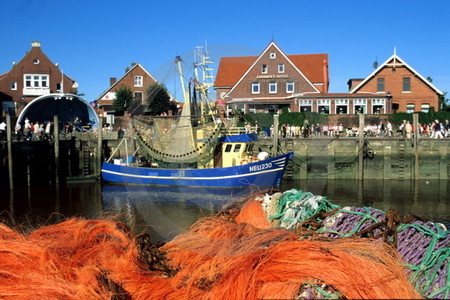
408,130
2,131
437,130
403,128
389,129
447,128
306,128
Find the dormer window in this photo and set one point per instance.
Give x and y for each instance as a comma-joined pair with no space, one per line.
264,69
273,55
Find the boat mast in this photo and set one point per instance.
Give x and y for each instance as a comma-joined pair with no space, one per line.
186,105
185,120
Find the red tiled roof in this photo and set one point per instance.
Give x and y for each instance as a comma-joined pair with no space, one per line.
231,69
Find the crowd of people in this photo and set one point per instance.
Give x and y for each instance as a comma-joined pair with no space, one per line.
35,131
42,131
435,129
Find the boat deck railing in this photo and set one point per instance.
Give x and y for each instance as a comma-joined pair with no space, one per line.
238,130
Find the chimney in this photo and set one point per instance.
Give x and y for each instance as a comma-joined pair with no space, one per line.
36,44
325,76
133,64
112,80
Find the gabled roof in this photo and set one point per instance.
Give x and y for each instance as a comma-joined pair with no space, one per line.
233,69
392,61
134,66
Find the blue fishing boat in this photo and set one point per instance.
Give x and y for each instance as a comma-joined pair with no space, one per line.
196,149
263,173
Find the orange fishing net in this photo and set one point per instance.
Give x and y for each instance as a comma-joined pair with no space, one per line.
218,258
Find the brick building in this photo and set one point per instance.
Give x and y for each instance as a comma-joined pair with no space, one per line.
264,83
407,89
274,80
33,76
138,80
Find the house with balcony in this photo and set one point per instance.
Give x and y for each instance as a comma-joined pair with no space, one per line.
35,75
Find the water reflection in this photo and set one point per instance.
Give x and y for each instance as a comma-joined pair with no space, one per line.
36,206
428,199
166,212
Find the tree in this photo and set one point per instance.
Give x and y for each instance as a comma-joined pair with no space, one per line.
444,101
158,100
124,99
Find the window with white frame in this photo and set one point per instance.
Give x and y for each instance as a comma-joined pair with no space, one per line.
323,106
289,87
424,107
35,81
305,105
255,88
360,106
273,55
272,87
138,81
410,108
378,106
13,85
341,106
280,68
264,69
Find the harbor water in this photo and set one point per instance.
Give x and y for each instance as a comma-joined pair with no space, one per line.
167,212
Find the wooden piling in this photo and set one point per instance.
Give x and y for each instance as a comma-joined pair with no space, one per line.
98,165
56,145
10,157
361,146
275,134
416,145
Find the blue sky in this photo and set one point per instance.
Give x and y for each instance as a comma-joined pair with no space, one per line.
95,40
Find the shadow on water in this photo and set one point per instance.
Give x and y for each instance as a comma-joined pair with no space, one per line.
166,212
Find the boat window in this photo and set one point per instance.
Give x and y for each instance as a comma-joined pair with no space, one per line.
228,148
237,147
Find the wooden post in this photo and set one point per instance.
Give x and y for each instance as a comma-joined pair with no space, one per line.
416,145
360,147
10,157
275,134
99,147
56,146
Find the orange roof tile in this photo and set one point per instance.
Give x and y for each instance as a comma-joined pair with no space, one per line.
231,69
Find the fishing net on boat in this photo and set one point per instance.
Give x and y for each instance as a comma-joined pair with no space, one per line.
177,140
424,246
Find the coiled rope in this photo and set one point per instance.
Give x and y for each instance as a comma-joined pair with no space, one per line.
424,246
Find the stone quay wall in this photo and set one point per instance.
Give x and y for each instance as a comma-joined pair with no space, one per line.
393,158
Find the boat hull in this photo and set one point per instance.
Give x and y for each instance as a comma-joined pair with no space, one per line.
265,173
